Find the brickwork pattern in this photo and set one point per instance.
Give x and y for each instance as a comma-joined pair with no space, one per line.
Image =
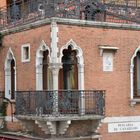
116,83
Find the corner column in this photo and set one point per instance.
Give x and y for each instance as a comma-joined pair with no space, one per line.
81,88
55,74
54,64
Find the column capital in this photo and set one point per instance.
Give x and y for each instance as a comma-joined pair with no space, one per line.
55,66
54,23
80,65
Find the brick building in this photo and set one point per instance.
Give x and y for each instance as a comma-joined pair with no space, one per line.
70,69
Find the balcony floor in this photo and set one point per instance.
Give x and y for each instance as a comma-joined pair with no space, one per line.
60,117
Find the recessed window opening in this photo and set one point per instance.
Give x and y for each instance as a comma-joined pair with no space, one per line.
12,79
25,53
45,70
69,73
136,75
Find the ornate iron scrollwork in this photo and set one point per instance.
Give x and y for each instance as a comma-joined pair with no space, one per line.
43,102
68,102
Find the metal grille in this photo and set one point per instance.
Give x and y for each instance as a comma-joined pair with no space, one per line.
22,13
94,102
35,102
59,102
1,102
68,102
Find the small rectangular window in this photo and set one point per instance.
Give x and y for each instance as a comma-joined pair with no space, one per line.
25,53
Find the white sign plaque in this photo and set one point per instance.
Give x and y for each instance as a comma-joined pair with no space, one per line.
107,61
123,127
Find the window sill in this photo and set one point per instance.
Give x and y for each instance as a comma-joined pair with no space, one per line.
134,101
25,60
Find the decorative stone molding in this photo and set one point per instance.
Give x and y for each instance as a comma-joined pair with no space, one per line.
103,48
80,59
107,52
80,65
74,22
39,65
39,53
52,127
54,41
132,100
96,124
7,68
64,125
27,54
43,126
75,47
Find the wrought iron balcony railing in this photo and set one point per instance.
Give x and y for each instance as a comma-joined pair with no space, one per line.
2,106
42,103
21,12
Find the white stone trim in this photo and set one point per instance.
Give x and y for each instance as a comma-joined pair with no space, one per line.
54,43
7,69
121,119
39,61
22,53
80,66
108,62
74,22
80,59
102,48
9,119
74,46
132,76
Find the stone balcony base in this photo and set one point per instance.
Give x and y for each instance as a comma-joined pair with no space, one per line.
63,126
20,135
60,117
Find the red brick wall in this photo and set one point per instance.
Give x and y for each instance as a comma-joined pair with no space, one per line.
25,71
2,3
118,136
116,83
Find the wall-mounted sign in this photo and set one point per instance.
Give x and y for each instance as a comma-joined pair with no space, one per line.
107,61
123,127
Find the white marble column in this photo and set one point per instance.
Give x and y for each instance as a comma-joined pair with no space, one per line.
54,41
81,88
55,74
8,83
54,64
39,77
132,80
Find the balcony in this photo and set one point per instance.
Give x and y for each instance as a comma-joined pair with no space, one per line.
55,111
20,13
2,110
60,103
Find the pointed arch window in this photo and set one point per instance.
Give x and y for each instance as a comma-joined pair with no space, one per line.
69,73
71,57
10,75
43,73
12,79
136,76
